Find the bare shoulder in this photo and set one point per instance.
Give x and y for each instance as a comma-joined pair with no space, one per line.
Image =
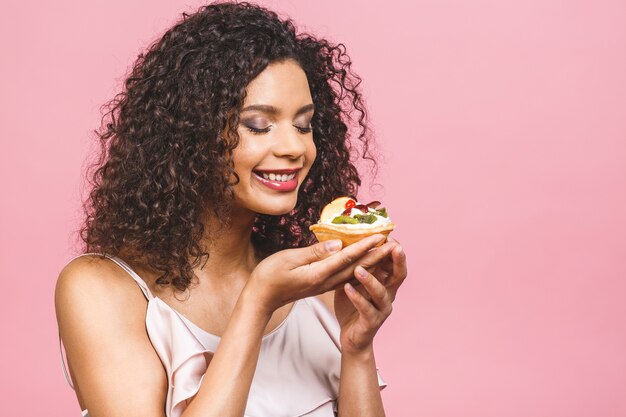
90,273
101,316
95,286
92,277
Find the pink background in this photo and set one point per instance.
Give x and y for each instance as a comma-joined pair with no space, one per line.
503,126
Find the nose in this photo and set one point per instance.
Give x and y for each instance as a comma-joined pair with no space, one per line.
289,143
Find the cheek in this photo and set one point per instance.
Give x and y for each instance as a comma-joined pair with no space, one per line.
244,157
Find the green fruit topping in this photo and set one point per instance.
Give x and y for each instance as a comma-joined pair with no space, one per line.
361,218
365,218
345,220
382,212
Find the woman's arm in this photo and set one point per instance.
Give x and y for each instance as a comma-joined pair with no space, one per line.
226,384
360,313
117,371
359,392
279,279
101,314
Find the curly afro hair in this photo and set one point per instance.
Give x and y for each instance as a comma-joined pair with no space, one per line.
164,158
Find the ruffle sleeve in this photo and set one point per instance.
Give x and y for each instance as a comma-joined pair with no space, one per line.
297,374
184,357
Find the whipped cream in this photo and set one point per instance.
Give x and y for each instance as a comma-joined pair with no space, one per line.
380,220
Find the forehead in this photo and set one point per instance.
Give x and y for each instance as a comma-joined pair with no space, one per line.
281,84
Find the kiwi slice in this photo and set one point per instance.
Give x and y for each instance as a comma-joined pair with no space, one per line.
345,220
365,218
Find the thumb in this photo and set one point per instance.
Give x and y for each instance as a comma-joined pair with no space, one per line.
318,251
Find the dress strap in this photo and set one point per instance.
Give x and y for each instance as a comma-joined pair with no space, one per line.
142,284
63,365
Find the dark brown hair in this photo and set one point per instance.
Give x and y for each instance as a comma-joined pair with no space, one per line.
163,158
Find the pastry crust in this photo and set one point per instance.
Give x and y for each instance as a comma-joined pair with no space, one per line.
348,235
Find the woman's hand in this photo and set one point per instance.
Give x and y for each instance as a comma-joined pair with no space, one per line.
292,274
361,311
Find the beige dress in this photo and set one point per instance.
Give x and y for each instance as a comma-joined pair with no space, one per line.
297,372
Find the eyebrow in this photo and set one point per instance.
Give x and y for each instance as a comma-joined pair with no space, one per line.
273,110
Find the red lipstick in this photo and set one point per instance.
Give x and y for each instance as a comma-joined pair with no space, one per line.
290,185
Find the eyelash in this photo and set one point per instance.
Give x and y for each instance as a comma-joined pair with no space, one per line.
267,129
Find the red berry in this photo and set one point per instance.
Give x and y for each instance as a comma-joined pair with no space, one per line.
373,204
350,204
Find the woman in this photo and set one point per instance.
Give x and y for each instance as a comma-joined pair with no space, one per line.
201,292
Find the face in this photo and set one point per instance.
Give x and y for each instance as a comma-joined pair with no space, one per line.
276,148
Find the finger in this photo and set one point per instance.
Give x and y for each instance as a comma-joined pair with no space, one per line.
399,267
316,252
354,282
377,262
379,256
383,270
343,258
338,270
365,308
376,290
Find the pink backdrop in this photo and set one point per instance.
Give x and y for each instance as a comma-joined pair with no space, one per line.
504,130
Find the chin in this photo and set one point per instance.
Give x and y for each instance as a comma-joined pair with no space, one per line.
276,210
271,203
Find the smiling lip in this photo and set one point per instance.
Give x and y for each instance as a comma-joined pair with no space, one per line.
290,185
278,171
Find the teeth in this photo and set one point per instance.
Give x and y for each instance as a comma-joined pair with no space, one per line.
278,177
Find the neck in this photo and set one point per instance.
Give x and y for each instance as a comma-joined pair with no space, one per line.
232,257
230,248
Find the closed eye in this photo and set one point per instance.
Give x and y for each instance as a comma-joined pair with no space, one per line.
257,131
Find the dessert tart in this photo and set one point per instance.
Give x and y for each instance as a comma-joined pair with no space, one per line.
350,221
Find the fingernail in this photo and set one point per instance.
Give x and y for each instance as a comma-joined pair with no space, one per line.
361,272
399,250
333,245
